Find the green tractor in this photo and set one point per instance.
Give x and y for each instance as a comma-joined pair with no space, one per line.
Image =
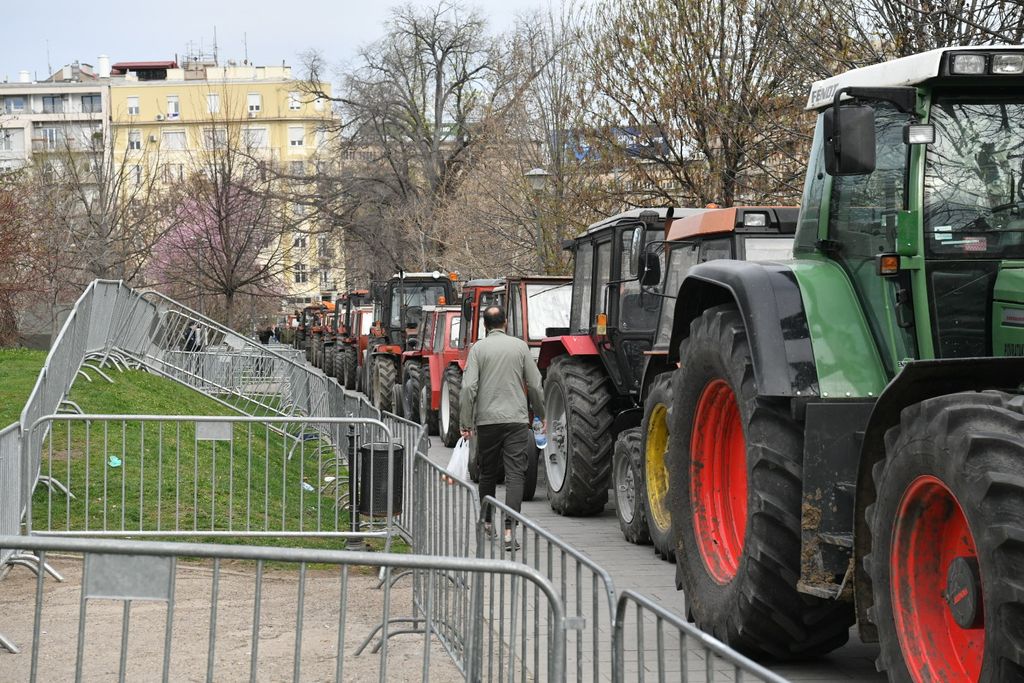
847,437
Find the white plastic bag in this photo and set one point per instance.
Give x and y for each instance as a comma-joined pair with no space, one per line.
458,465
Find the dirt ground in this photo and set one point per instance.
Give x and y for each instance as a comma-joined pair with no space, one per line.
191,628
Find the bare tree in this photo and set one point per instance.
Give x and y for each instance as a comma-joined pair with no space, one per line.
413,112
232,225
17,254
693,102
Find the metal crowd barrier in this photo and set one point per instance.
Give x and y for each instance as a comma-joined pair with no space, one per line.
146,582
233,476
654,633
585,588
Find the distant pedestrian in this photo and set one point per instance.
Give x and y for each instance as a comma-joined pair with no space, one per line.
277,333
264,334
501,382
192,340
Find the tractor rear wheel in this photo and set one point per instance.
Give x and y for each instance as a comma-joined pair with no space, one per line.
385,372
329,360
411,392
628,487
578,462
735,466
947,537
451,385
653,470
348,371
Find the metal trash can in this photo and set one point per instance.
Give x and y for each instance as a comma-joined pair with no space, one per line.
372,491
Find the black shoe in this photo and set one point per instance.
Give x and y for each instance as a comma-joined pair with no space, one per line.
511,544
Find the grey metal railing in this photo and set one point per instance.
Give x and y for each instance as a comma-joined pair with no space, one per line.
144,576
668,648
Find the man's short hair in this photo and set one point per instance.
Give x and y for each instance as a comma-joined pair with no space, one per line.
494,317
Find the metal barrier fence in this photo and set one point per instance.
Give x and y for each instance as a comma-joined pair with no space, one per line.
654,634
585,588
10,471
218,626
238,476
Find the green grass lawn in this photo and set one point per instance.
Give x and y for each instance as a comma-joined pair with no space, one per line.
19,369
132,474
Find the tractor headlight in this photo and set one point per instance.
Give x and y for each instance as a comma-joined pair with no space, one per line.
755,220
1008,64
967,65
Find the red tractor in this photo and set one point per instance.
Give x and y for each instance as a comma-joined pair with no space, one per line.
423,367
399,314
342,354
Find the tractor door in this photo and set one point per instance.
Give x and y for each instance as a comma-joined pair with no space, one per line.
632,317
862,224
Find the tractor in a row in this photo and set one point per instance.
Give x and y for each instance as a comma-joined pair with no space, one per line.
847,427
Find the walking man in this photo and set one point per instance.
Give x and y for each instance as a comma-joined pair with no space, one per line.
500,374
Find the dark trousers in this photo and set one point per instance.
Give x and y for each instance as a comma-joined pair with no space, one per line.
508,443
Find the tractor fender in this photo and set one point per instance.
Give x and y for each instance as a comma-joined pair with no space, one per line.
916,382
770,303
571,344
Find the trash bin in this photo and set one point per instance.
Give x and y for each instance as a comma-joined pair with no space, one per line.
372,492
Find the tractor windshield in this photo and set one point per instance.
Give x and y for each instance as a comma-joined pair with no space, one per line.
410,295
547,305
974,179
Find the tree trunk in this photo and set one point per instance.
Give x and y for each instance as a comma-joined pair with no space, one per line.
8,322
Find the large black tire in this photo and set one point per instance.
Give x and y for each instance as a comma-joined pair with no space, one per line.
451,386
951,479
577,400
654,482
329,360
628,487
385,373
347,367
740,568
411,391
428,416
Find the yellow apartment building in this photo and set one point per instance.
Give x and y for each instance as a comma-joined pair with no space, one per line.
163,115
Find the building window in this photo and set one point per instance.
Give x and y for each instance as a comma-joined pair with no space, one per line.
296,168
296,136
216,138
173,108
136,174
53,104
135,140
14,104
11,140
255,138
255,102
213,103
300,273
323,248
48,137
325,278
318,104
174,140
92,104
299,242
294,101
133,106
174,173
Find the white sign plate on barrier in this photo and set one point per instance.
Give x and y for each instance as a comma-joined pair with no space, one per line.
214,431
127,577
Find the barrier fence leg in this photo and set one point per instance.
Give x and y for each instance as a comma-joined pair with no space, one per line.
6,644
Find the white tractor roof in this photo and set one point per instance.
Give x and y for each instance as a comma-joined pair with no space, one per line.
910,70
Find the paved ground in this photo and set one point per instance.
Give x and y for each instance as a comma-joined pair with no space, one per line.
638,568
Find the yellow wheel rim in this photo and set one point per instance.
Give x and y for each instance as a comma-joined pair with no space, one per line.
654,466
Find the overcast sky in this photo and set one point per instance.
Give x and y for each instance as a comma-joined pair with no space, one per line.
151,30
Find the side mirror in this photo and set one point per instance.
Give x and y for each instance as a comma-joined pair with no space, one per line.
636,250
849,140
651,276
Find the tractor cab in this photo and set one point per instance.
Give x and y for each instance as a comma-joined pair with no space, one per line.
400,301
614,312
347,305
477,295
538,306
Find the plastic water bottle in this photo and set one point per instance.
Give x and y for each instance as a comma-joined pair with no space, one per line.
538,434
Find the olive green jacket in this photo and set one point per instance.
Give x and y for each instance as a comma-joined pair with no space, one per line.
500,373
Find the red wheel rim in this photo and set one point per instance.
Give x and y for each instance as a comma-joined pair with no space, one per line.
718,476
930,531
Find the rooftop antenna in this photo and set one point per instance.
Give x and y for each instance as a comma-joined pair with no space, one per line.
49,67
245,46
215,46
